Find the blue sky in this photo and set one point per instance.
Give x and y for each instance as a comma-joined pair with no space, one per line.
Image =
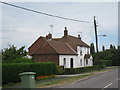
20,27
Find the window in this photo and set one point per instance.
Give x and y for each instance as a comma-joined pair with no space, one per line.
87,50
64,62
71,62
81,52
81,62
87,61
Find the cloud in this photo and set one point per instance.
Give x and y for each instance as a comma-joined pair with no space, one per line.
23,28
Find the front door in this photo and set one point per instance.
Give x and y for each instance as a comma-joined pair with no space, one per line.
71,63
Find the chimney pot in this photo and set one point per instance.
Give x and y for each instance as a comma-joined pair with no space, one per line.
65,32
49,36
79,36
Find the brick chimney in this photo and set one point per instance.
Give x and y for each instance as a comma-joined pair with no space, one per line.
49,36
65,32
79,36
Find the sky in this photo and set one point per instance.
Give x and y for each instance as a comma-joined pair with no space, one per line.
20,27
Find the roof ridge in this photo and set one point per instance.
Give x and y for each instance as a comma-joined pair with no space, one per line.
52,47
40,45
71,48
80,40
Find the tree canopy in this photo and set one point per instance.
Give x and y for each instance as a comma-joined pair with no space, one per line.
92,48
12,53
109,54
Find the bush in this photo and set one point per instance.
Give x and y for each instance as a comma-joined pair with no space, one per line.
83,69
105,62
19,60
110,54
10,71
60,70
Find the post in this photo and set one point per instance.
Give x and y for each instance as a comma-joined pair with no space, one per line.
96,34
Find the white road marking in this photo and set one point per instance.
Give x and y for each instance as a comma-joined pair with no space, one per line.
107,86
118,79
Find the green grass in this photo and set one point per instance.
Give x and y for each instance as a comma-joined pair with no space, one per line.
10,84
64,80
68,80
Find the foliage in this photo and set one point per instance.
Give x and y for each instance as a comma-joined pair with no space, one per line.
116,58
19,60
60,69
10,71
92,48
83,69
112,46
105,62
109,54
12,53
103,48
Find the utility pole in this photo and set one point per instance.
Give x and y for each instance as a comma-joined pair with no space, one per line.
96,34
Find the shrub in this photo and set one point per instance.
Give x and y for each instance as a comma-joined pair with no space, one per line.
60,70
18,60
10,71
83,69
105,62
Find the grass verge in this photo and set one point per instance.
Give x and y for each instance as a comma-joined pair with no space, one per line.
68,80
62,81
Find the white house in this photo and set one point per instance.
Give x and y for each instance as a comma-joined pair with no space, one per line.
68,51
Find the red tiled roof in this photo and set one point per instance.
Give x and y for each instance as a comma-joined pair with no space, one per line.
73,42
65,45
36,45
62,48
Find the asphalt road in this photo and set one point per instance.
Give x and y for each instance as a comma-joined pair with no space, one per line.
106,80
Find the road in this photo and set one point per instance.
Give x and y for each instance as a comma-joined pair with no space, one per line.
106,80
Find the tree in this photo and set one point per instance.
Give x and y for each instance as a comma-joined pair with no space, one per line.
12,53
114,47
118,46
103,48
109,54
111,46
92,48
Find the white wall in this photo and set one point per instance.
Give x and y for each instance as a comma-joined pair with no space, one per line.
76,58
68,57
84,50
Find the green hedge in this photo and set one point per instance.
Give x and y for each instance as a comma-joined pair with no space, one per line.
10,71
19,60
60,70
105,62
83,69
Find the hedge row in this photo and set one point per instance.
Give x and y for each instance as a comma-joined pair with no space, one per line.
10,71
19,60
60,70
105,62
83,69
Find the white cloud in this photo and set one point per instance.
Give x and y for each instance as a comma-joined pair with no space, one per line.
22,27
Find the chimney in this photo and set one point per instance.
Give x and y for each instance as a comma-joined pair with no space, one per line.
49,36
65,32
79,36
46,37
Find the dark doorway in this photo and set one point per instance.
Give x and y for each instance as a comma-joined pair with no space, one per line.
71,63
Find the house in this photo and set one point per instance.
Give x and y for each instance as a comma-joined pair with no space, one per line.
68,51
